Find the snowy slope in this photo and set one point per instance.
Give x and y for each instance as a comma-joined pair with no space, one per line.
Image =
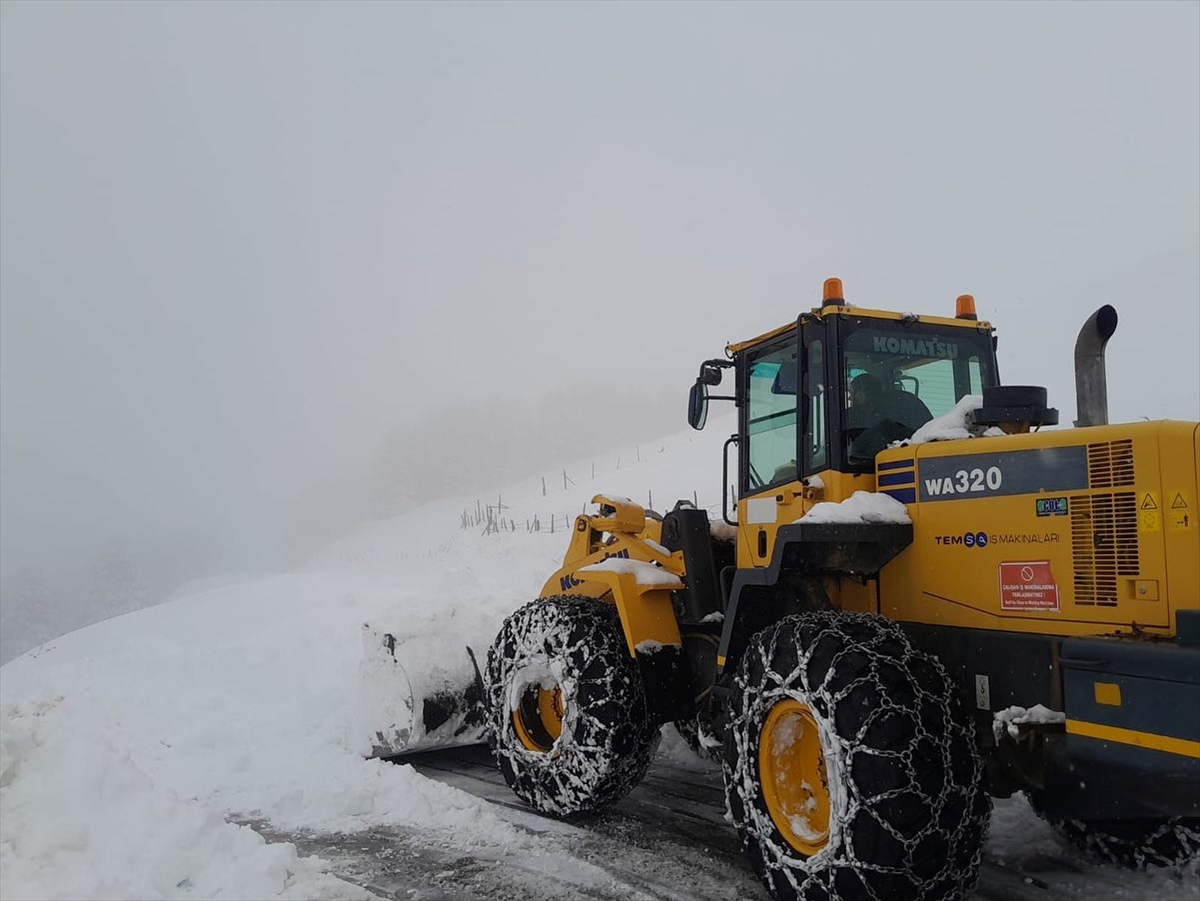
125,745
129,747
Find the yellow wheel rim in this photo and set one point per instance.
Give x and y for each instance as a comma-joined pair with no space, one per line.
538,719
791,769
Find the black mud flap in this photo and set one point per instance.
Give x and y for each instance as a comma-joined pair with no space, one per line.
664,673
839,548
809,550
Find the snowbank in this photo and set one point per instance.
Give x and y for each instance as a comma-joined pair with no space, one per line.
83,820
126,748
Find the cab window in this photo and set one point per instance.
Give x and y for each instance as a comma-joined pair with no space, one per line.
772,389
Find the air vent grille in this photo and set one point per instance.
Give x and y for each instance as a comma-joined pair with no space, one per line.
1110,464
1104,545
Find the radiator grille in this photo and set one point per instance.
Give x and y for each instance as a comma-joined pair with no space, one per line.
1104,544
1110,464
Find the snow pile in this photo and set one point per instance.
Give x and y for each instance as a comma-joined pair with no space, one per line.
128,744
1012,718
860,507
83,820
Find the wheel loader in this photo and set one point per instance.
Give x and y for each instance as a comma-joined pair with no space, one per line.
918,597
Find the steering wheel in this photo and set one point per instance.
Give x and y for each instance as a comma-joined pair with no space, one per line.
866,443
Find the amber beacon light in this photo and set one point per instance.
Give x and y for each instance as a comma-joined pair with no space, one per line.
832,295
964,307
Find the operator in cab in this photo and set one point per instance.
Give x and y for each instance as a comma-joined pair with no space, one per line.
871,425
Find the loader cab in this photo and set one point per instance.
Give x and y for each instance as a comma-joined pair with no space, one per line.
818,399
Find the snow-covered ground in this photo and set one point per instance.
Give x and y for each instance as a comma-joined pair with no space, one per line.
134,752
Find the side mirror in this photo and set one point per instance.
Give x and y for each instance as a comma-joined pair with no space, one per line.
698,403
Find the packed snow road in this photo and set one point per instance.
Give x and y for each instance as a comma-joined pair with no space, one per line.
667,840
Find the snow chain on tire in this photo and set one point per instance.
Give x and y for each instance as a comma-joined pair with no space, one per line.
699,739
593,742
1136,844
899,811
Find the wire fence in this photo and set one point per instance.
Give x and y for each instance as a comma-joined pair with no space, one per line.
495,518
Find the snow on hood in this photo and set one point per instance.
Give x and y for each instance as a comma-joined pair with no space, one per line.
953,425
861,506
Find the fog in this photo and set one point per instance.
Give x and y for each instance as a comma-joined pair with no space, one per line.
269,270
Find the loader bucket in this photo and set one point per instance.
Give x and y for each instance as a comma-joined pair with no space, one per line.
432,704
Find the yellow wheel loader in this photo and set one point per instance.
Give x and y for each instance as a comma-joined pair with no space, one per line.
921,598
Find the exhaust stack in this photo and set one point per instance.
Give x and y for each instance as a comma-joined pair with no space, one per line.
1091,384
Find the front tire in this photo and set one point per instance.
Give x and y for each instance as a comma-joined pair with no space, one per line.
848,772
566,711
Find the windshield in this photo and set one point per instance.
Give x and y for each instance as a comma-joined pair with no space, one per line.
898,377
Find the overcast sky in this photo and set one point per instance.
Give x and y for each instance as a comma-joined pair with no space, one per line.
240,242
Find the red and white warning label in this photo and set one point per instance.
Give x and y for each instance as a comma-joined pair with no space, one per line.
1028,585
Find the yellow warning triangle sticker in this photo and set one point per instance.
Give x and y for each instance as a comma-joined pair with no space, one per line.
1179,503
1148,503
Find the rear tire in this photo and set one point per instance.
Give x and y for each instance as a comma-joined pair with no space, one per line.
1135,844
848,772
566,711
